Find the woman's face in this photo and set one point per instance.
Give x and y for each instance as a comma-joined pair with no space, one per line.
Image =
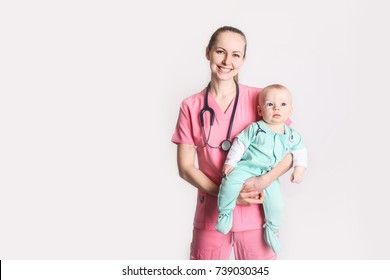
226,55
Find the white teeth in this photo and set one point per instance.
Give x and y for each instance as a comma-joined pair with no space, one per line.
225,70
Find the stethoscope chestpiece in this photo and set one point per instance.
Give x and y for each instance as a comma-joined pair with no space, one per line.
225,145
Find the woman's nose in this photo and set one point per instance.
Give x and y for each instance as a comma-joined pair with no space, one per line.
226,60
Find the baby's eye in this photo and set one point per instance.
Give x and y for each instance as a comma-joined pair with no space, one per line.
269,104
283,104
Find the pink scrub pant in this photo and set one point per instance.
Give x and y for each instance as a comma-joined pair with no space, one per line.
212,245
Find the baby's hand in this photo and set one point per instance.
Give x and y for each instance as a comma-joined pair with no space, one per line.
227,169
297,175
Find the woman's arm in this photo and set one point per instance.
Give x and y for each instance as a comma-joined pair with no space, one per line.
261,182
189,172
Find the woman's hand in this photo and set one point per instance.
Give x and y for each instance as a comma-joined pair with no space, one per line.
250,198
252,191
226,169
257,183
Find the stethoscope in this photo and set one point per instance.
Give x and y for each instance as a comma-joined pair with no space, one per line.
225,144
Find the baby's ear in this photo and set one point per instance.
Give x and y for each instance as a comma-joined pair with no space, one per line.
259,110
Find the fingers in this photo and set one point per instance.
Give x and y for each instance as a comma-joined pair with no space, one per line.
295,179
261,197
252,194
250,198
252,201
248,186
226,170
253,184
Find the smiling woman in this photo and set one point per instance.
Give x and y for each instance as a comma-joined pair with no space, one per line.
226,52
230,53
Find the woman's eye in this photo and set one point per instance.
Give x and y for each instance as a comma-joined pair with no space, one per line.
236,55
219,52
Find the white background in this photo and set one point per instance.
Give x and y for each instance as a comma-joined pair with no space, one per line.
90,92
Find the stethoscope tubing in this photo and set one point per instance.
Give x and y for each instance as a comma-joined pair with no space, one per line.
225,144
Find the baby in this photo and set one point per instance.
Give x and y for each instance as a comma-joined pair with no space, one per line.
255,151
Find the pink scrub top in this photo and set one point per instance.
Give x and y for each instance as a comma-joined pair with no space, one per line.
210,160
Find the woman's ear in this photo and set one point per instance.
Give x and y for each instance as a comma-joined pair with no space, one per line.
207,53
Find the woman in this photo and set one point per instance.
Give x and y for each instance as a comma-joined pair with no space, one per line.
207,122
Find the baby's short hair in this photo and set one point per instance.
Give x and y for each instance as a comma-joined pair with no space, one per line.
268,88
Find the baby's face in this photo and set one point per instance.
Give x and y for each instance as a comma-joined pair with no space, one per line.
276,106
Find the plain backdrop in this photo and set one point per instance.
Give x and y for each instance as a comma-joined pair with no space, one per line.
90,93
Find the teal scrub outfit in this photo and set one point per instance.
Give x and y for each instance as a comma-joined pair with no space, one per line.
265,149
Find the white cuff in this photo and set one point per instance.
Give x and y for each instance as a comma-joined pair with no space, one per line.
300,157
235,153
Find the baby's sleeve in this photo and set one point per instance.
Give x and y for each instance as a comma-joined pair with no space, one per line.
298,150
300,157
236,152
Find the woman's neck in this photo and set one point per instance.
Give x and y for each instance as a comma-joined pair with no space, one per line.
223,89
223,93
